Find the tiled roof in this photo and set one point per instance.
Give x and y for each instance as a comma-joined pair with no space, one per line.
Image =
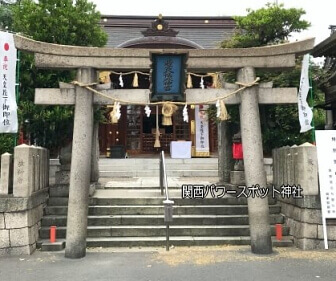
205,31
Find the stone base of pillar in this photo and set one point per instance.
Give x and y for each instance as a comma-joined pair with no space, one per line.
237,177
62,177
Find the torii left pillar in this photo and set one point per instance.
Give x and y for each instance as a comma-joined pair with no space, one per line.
80,168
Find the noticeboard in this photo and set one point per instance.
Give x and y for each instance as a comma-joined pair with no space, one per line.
326,156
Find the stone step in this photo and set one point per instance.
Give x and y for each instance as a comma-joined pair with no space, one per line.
158,220
63,201
159,210
154,166
160,230
155,161
152,173
136,184
176,241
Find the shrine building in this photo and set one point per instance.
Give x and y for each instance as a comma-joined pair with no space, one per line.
135,132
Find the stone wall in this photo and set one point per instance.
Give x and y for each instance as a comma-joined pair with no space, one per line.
298,165
23,194
304,218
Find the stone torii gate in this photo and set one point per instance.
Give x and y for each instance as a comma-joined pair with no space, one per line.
87,60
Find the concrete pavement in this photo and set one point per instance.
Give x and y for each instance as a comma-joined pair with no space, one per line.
180,263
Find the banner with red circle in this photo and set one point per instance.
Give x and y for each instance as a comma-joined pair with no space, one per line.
8,106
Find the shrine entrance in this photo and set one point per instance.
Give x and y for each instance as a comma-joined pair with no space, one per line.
135,132
247,92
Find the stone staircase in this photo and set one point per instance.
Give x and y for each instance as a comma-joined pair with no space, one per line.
149,167
129,213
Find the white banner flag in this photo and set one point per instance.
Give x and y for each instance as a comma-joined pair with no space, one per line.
305,112
202,131
8,110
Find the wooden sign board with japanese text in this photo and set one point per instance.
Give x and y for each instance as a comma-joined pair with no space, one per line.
168,75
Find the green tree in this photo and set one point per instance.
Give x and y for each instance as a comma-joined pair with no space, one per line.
5,15
274,24
60,21
55,21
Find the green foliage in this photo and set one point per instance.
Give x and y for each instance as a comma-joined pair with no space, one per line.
7,142
5,15
273,25
280,123
270,25
60,21
56,21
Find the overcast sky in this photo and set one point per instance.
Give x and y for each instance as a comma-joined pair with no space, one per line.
319,13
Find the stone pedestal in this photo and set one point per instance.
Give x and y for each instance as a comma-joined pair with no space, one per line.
62,177
224,152
237,177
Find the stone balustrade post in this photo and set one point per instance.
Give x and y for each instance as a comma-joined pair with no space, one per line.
24,171
306,169
6,183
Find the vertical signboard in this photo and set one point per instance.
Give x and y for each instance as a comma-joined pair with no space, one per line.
8,107
168,77
326,156
202,131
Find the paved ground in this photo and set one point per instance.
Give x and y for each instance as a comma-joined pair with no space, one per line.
150,264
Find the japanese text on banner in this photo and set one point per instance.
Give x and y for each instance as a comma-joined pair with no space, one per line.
8,106
305,112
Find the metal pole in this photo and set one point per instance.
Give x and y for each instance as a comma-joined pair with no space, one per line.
17,92
167,236
161,173
311,99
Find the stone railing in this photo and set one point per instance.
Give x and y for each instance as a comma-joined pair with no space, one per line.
23,193
298,165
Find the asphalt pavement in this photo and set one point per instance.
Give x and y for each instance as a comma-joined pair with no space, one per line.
180,263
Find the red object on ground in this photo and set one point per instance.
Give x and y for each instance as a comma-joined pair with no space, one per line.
52,234
278,231
237,150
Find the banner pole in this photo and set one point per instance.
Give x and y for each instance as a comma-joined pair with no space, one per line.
311,100
17,91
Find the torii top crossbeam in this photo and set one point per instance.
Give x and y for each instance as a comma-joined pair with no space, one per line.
48,55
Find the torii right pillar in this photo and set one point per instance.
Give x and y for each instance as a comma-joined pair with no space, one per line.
258,209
